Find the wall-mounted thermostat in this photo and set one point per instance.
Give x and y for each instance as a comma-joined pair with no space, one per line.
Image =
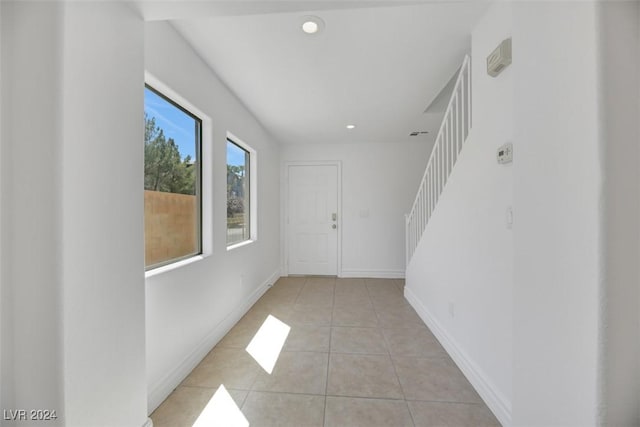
505,153
500,58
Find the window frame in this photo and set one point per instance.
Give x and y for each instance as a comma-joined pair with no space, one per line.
251,187
200,124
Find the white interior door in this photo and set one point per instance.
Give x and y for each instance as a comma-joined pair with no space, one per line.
312,219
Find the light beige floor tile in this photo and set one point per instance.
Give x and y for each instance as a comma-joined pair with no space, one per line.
242,333
360,321
358,412
310,314
286,286
320,281
238,396
360,375
351,289
349,282
275,306
258,314
185,404
417,342
387,291
379,282
398,317
436,379
357,340
390,303
354,316
296,372
353,300
278,298
318,299
282,409
182,407
291,281
308,338
429,414
383,302
233,367
319,294
382,287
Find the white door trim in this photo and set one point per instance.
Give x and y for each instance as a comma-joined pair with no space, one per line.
284,208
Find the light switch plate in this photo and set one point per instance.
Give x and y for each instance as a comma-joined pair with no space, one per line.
504,154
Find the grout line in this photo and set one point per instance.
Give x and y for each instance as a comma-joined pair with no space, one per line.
246,396
326,385
395,371
287,392
354,326
375,310
304,283
395,399
406,402
448,402
359,354
305,351
212,388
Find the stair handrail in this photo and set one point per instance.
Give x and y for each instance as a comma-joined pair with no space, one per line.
442,158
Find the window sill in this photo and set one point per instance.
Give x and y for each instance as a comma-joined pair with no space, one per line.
239,245
172,266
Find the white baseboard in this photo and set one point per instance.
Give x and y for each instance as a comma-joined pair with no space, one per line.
499,405
148,423
372,274
163,388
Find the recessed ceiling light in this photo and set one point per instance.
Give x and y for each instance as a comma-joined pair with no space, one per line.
312,25
351,126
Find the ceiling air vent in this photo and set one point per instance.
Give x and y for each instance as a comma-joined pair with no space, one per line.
418,132
499,59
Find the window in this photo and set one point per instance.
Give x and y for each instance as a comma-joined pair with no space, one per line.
238,193
172,181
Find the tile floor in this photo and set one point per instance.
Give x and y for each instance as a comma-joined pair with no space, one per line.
357,354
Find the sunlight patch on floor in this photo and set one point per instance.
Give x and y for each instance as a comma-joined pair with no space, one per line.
221,411
266,345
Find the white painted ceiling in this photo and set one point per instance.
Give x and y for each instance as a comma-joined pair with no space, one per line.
377,65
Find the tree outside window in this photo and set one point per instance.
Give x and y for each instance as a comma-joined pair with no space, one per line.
172,170
238,160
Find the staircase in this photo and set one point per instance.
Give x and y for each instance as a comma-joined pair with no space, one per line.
451,137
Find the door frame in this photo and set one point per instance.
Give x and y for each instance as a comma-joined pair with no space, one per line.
284,208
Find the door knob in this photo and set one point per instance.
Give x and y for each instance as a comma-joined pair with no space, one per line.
334,226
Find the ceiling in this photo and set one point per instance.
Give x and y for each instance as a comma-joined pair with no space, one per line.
377,64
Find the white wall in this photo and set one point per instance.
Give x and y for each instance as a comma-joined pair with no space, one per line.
102,212
620,70
460,279
31,246
569,268
379,182
3,299
190,308
72,198
6,384
557,203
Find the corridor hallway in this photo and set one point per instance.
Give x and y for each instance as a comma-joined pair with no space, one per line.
357,354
